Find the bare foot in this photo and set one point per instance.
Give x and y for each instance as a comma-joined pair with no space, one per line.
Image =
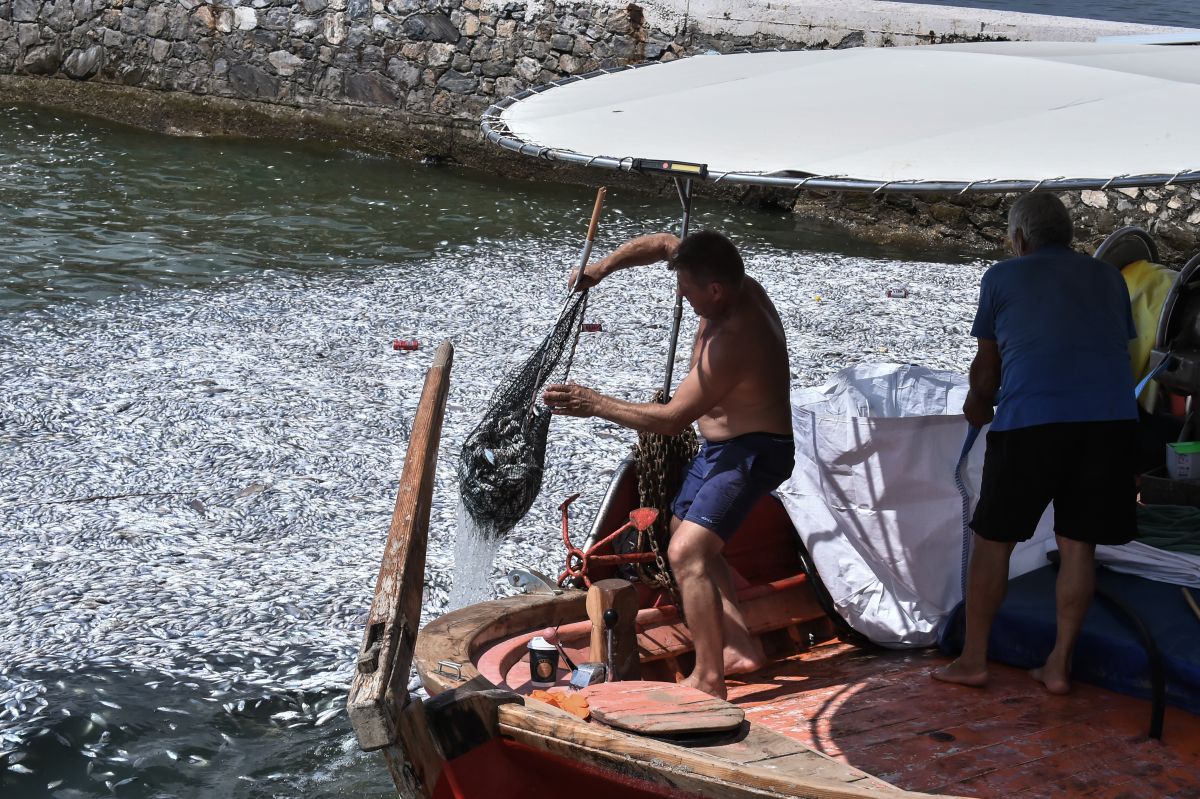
713,688
961,675
1054,683
742,662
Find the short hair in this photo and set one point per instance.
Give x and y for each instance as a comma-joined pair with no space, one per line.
1042,219
710,256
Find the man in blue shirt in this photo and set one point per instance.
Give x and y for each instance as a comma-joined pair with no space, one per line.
1053,327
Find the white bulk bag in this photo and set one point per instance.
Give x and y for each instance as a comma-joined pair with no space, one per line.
875,499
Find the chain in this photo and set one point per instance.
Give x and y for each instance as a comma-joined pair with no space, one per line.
660,462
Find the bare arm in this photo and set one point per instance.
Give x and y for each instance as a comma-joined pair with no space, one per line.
979,407
715,374
636,252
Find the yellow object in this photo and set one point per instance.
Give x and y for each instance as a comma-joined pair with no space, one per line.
1148,285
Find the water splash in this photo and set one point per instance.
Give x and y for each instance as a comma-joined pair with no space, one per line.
474,553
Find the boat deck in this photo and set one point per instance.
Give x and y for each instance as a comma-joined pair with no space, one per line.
882,713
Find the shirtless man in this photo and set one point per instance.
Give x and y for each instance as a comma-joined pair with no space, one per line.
738,391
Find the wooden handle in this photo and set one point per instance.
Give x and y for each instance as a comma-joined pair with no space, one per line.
621,596
600,192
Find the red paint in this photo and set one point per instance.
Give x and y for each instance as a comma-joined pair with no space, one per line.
408,345
504,769
591,327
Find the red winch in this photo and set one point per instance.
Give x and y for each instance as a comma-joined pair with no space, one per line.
578,561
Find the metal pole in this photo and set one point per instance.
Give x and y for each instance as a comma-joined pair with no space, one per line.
684,187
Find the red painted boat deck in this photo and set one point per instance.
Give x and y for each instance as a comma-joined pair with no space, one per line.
884,714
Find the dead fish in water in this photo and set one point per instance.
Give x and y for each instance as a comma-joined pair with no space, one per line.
531,581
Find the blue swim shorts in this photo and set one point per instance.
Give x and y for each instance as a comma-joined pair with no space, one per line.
727,478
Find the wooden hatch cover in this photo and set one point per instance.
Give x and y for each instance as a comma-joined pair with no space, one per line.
660,708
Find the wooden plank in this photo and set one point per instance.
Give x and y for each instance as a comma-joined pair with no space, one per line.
621,597
380,688
660,708
662,763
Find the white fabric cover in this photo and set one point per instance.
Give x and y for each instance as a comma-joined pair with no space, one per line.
1180,568
956,113
874,498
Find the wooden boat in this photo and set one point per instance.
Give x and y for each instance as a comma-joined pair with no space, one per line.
826,718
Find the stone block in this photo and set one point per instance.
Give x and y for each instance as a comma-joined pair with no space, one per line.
507,87
357,9
372,57
225,20
1094,199
496,69
415,51
276,19
470,25
25,10
404,73
388,27
582,46
159,48
28,34
439,54
431,28
284,62
330,84
156,21
305,27
44,60
527,69
461,62
59,16
334,28
562,42
359,35
251,83
246,19
458,82
314,6
204,20
370,89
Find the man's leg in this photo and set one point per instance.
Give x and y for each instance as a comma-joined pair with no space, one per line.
694,552
987,581
742,653
1073,593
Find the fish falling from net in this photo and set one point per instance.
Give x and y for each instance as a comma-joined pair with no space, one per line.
500,468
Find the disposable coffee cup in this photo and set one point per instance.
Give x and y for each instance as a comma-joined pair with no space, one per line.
543,663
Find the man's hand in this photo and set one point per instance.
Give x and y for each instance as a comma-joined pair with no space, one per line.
592,273
571,400
977,411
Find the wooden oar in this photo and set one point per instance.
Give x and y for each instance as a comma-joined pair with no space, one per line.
583,261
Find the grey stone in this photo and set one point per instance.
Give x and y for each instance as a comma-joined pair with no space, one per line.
506,87
28,35
405,73
372,57
330,85
178,23
371,89
431,28
156,20
246,19
335,28
204,20
159,49
277,18
389,27
59,16
305,26
358,36
252,83
25,10
314,6
439,54
43,60
266,40
458,82
285,63
527,69
131,75
582,46
562,42
83,64
220,67
358,8
654,50
496,69
461,62
540,49
225,20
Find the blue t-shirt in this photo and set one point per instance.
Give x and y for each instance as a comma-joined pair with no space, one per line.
1062,322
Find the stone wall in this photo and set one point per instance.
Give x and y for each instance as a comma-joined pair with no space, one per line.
413,76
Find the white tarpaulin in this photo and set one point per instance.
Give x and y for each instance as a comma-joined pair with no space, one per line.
875,500
960,113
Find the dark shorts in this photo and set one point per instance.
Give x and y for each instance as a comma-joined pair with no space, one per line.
1087,469
726,479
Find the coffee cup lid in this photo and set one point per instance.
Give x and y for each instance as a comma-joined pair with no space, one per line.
538,642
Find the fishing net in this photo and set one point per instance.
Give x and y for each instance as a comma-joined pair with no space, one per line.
500,467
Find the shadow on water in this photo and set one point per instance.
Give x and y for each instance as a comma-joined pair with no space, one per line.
148,734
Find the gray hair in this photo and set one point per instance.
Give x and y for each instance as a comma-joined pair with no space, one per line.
1042,219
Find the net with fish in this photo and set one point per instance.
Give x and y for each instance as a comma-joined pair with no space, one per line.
500,467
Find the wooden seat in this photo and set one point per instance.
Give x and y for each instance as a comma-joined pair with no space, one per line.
660,708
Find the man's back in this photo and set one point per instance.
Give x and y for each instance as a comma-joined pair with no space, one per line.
760,400
1062,322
